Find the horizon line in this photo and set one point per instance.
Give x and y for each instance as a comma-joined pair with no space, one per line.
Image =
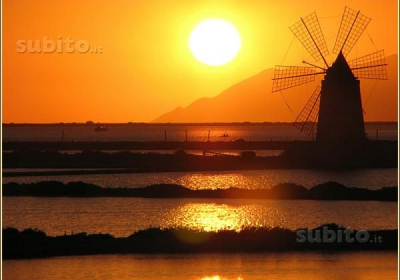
88,123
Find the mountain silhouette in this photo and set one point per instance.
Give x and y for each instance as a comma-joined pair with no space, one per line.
251,100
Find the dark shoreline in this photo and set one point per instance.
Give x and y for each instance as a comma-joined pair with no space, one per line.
176,124
238,144
72,171
285,191
296,155
32,243
149,145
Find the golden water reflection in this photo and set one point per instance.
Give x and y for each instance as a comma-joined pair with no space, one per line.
123,216
215,180
366,265
215,217
216,277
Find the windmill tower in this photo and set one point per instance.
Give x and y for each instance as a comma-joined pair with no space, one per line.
334,108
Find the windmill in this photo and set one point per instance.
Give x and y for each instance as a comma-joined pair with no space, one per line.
334,108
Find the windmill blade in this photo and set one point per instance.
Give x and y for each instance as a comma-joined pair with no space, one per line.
352,26
309,33
291,76
371,66
307,119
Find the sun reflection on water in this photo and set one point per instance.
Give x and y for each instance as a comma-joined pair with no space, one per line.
214,180
217,277
216,217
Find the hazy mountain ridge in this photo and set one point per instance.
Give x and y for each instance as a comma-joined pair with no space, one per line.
251,100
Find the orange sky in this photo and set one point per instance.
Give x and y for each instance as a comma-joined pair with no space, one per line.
146,67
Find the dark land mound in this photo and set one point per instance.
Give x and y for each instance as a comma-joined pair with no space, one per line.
326,191
31,243
370,154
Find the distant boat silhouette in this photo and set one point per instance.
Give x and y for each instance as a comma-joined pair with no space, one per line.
225,135
101,128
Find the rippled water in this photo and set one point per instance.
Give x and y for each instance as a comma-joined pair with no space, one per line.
278,266
251,179
123,216
260,132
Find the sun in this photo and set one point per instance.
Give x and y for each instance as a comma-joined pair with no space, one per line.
214,42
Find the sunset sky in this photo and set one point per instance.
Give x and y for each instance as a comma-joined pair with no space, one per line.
146,67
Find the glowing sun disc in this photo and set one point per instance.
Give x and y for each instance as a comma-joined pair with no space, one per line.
214,42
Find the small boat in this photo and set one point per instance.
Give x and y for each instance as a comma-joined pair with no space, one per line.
101,128
225,135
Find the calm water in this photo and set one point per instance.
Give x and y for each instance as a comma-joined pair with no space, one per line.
174,132
123,216
281,266
253,179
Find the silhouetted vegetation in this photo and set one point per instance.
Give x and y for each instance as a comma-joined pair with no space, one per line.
35,244
248,154
326,191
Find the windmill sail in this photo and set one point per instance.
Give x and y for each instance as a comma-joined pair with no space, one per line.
351,27
309,33
372,66
306,121
291,76
334,108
